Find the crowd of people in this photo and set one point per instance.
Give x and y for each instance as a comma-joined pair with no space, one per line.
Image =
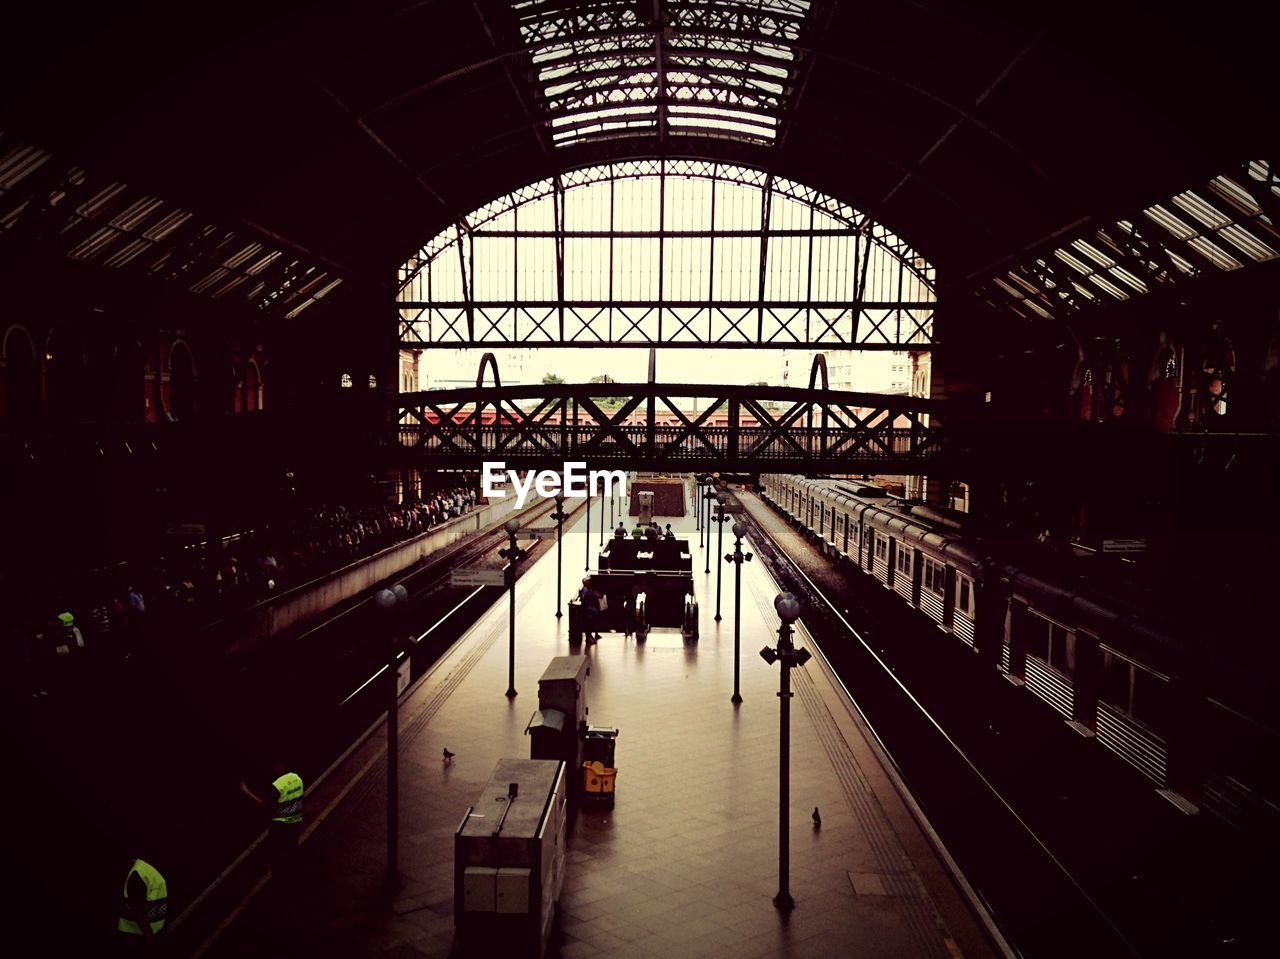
116,612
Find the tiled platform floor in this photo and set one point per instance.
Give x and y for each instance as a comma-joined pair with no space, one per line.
686,862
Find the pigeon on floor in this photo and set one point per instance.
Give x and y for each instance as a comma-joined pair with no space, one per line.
448,756
817,820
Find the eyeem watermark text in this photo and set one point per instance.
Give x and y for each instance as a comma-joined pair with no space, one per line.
573,482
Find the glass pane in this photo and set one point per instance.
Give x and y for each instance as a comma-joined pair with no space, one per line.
685,268
635,269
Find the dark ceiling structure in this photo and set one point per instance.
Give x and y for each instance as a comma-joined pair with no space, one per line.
349,133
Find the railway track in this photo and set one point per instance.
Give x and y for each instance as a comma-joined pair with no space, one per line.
209,722
1040,904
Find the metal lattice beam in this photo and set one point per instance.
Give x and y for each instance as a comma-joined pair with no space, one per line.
646,424
832,301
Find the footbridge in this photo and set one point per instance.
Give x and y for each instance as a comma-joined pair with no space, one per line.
675,426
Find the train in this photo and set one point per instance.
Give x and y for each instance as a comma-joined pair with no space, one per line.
1102,663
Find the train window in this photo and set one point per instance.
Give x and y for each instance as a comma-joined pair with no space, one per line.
904,562
966,594
935,577
882,548
1139,692
1051,643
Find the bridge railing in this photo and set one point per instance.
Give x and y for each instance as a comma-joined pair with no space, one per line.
676,444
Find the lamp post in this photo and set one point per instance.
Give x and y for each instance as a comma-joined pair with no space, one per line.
737,557
788,608
719,520
513,554
708,496
601,521
697,505
586,560
559,516
394,602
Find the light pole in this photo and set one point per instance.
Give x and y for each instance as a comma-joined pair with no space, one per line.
393,602
788,608
707,496
586,560
719,520
559,516
737,557
697,504
601,521
513,554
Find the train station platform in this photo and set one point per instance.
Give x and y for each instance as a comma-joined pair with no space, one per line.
685,864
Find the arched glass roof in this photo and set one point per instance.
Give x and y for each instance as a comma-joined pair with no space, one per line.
668,252
620,68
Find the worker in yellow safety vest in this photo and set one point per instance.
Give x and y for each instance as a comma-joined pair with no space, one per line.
283,804
146,901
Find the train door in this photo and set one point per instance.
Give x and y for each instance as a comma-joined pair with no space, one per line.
1135,712
1011,654
948,597
963,601
847,521
1088,671
1049,650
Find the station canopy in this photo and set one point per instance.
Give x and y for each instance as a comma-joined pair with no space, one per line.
344,136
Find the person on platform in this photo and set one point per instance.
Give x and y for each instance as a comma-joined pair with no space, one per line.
142,914
281,800
670,534
621,531
590,601
67,638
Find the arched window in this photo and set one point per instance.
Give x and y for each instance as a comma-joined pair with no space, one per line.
373,382
1115,388
1166,389
1084,399
674,252
252,387
21,376
182,382
345,381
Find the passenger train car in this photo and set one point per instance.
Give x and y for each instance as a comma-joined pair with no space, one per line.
1135,689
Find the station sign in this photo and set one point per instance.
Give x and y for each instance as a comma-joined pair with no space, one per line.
538,532
185,529
1124,545
478,577
402,676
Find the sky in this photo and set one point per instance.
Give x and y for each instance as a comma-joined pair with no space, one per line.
444,368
